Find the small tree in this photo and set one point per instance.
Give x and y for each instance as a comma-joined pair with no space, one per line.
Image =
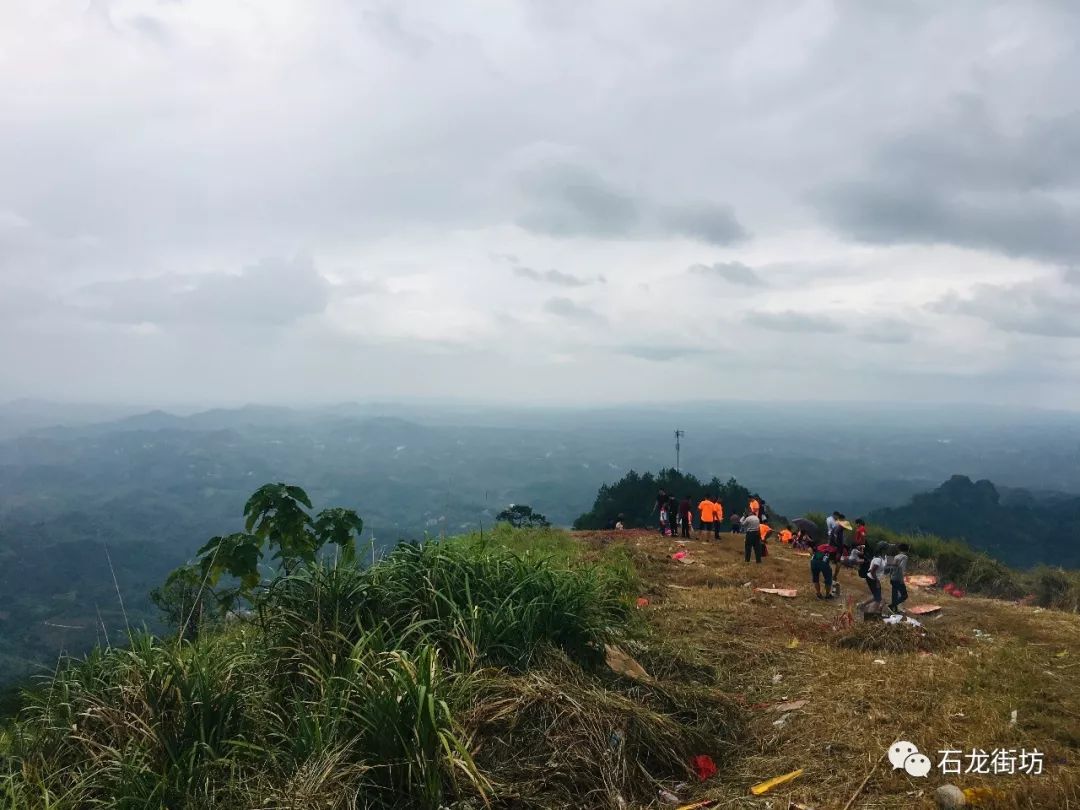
521,516
276,522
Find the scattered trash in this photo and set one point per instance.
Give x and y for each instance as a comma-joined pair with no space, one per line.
704,767
921,610
1062,654
803,554
668,797
789,593
897,618
799,806
1012,718
782,721
793,706
698,805
681,587
747,584
776,781
879,661
954,590
777,678
679,555
793,644
921,580
642,602
981,636
619,800
950,797
621,663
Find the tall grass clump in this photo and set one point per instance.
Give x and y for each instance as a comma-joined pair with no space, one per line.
346,689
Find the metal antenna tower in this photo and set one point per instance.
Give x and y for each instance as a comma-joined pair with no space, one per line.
678,435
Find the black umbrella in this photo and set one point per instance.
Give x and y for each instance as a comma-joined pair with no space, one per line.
807,526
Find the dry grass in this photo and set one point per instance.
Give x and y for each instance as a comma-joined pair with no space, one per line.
949,688
557,737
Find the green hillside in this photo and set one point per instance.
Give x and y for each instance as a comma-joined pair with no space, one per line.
1017,527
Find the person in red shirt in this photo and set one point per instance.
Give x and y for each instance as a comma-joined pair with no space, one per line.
860,532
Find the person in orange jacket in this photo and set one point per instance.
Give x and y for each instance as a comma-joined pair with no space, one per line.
717,518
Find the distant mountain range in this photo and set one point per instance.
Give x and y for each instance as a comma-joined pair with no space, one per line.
1015,526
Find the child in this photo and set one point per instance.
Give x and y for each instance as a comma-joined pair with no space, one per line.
665,520
820,567
896,578
854,558
874,568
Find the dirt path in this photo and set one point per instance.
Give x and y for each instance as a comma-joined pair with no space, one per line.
990,659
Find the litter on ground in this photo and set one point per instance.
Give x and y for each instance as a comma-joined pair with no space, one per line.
791,706
789,593
776,781
704,767
896,618
921,580
922,610
623,664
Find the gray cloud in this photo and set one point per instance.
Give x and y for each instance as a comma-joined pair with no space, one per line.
568,200
733,272
273,292
887,331
707,222
963,180
565,308
791,321
1046,308
550,277
659,354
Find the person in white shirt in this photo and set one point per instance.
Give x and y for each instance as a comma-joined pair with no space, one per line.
874,570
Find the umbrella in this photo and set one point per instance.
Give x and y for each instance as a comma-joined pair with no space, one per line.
807,526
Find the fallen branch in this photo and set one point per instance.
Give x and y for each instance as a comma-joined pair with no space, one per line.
859,790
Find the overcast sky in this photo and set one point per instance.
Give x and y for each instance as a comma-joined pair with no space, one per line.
226,201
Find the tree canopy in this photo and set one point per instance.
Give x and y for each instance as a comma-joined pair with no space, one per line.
634,495
521,516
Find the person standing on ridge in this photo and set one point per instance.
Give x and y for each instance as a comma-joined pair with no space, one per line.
717,517
706,510
897,571
830,522
661,507
686,515
751,526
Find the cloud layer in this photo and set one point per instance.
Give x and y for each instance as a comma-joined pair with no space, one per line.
294,201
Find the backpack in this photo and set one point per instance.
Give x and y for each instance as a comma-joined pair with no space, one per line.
819,556
864,566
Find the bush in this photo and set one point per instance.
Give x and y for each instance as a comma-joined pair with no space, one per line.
1056,588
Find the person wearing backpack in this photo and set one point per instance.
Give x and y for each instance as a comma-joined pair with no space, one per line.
897,572
820,566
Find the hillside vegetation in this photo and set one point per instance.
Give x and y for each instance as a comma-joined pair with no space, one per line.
542,669
1020,529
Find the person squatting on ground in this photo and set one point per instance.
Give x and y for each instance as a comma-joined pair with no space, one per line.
751,526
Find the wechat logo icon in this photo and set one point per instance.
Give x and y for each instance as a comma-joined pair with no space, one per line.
905,756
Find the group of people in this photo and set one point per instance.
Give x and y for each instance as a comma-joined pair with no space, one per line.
884,561
843,546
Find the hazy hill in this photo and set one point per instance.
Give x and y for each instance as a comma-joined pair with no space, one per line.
154,486
1018,527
